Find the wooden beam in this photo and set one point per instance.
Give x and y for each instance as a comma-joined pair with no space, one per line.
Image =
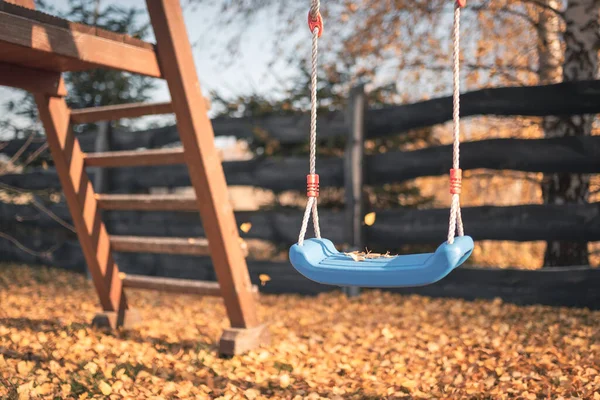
27,42
79,193
206,172
31,80
146,202
564,286
160,245
115,112
138,158
557,155
567,98
571,98
394,227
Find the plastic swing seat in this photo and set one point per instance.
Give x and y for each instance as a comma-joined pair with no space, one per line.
318,260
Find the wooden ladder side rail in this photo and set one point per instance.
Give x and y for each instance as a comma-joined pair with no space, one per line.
79,193
207,177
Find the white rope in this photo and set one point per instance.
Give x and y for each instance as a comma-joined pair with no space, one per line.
313,101
311,205
315,8
455,214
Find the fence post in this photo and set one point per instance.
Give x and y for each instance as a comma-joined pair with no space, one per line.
354,174
103,143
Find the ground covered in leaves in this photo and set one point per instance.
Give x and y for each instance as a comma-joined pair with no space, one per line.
375,346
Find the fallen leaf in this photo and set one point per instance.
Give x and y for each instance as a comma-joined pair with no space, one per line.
284,381
245,227
370,219
409,384
251,394
105,388
264,278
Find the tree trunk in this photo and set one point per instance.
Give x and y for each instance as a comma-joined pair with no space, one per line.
580,62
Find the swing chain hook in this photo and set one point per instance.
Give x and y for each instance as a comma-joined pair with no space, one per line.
316,21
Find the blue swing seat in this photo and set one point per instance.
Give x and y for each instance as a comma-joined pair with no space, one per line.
318,260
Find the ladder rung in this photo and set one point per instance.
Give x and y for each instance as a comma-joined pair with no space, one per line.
181,286
115,112
162,245
146,202
136,158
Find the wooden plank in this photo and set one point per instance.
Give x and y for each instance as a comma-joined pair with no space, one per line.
32,80
174,285
146,202
27,42
392,228
138,158
571,98
567,98
204,165
79,193
564,286
115,112
557,155
162,245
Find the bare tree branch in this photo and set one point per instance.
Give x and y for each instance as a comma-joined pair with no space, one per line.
43,254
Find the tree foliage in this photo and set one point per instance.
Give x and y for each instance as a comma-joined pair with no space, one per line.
94,87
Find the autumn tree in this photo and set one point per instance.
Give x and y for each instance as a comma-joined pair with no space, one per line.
581,41
94,87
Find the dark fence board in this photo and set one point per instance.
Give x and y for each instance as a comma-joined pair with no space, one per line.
567,286
392,229
557,155
567,98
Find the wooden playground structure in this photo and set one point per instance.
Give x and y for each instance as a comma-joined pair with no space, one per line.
35,49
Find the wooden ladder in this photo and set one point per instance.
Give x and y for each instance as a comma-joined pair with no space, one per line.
174,57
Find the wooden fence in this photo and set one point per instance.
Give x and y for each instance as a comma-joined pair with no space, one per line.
574,286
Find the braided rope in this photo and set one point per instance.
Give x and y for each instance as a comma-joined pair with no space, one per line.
311,205
455,222
455,214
